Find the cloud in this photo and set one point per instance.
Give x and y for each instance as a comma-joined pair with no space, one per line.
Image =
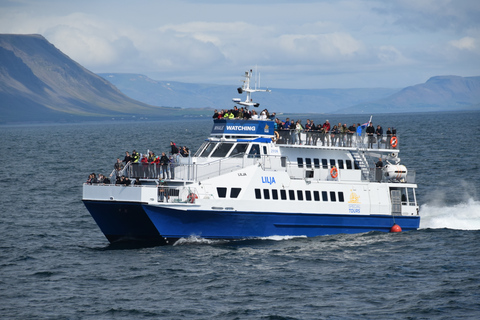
388,42
465,43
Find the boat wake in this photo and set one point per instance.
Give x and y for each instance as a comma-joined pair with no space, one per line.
461,216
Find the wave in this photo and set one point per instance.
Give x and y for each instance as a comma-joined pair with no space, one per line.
461,216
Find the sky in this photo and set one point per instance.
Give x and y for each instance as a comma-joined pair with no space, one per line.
292,44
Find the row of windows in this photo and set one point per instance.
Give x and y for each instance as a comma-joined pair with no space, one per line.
342,164
298,195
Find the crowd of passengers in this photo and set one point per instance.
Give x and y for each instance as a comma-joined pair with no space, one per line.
164,163
290,131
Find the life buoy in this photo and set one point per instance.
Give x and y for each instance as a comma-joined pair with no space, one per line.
276,136
394,142
191,197
334,172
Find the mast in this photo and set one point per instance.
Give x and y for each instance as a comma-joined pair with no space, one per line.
248,90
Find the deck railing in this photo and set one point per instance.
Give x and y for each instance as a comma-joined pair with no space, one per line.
338,140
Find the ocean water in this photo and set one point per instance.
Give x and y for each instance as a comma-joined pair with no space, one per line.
56,264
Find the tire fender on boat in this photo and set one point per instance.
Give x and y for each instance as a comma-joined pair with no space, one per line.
334,172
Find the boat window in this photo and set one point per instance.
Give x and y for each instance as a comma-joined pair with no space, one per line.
340,164
340,197
235,192
291,194
275,194
316,163
349,164
411,196
357,165
308,195
199,151
324,163
254,151
239,148
264,149
299,194
222,150
308,162
332,163
266,194
316,195
208,149
283,161
300,162
309,174
332,196
324,196
222,192
258,194
283,194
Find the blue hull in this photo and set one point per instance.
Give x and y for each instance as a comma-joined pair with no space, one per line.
123,221
240,225
126,222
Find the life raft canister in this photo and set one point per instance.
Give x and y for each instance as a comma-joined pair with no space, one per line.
334,172
394,142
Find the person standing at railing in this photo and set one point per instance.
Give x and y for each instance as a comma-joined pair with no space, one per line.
298,131
173,148
308,131
389,137
164,164
350,132
127,158
343,133
370,135
171,164
326,131
379,133
118,167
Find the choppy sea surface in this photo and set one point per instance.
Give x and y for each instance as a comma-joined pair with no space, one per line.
56,264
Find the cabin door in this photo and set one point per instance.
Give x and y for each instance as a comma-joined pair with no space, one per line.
396,197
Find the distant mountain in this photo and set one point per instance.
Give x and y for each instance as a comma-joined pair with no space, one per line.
40,83
189,95
441,93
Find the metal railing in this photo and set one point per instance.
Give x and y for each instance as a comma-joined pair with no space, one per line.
338,140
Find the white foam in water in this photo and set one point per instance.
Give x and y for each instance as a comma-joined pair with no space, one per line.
280,238
461,216
195,240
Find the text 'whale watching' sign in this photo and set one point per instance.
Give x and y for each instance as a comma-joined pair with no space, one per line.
250,127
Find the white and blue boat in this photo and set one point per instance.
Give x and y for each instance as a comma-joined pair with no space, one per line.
244,182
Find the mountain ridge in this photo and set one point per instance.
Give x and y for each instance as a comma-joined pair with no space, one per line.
40,83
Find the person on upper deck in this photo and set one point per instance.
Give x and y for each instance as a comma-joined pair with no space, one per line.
164,161
389,137
215,114
326,129
370,134
254,115
118,165
351,131
379,133
127,158
135,156
240,113
173,148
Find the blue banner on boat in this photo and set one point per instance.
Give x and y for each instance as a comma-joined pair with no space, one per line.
243,127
